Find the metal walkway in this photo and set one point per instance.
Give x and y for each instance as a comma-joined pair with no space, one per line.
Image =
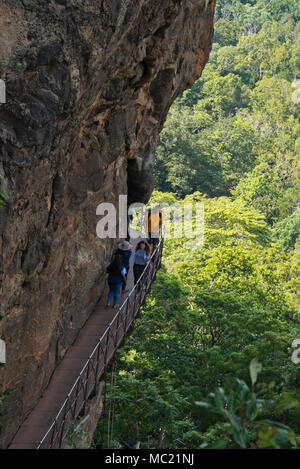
76,377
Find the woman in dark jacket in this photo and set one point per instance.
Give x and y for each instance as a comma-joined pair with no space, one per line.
117,275
125,250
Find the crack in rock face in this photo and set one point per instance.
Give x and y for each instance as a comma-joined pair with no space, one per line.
89,84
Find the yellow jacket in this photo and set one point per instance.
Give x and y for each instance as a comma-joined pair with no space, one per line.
153,221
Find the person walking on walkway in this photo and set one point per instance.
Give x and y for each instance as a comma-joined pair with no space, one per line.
125,250
153,224
117,276
141,258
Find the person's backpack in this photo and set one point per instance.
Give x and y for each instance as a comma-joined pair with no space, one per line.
114,271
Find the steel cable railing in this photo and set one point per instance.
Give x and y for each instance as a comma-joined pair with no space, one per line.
102,354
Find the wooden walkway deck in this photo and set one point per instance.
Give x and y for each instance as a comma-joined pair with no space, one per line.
42,416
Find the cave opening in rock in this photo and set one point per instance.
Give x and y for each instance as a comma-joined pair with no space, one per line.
140,182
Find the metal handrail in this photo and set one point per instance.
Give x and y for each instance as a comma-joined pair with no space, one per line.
57,429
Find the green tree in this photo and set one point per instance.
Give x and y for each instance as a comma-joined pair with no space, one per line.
242,408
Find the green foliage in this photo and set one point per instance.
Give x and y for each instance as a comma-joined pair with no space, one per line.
288,230
199,329
205,319
160,198
236,131
244,411
76,438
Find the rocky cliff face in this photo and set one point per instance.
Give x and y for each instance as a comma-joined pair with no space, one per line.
89,84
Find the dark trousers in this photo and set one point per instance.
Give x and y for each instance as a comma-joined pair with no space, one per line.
137,271
152,240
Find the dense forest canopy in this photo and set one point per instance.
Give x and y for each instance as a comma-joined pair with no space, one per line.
233,142
236,131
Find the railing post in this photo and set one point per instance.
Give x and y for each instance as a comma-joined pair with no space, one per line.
86,384
127,315
73,409
52,436
117,330
106,348
137,297
63,426
97,366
